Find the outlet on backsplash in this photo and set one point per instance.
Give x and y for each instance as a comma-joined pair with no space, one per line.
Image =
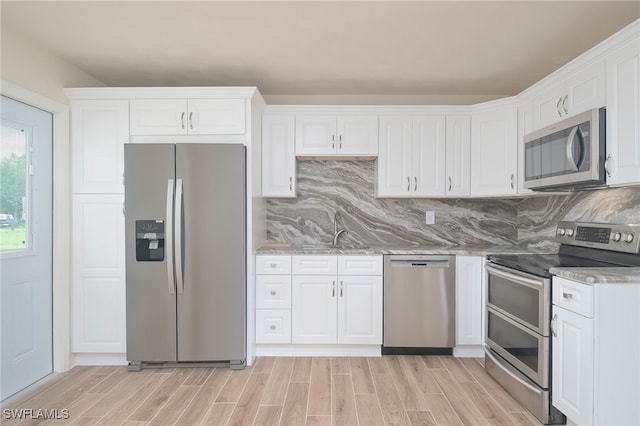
430,217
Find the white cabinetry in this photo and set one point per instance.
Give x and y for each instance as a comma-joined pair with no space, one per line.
273,299
187,116
278,156
458,155
494,150
623,112
342,135
469,303
525,126
98,274
582,90
596,348
99,130
345,308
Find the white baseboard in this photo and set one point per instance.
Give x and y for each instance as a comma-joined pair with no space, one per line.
319,350
470,351
99,359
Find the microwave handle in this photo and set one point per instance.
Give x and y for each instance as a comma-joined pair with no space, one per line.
572,136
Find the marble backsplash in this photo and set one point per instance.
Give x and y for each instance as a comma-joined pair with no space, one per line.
325,187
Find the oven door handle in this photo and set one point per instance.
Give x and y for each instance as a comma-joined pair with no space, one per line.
510,274
513,376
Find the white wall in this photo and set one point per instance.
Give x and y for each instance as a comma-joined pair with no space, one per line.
31,67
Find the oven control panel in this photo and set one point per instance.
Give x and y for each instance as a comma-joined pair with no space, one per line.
616,237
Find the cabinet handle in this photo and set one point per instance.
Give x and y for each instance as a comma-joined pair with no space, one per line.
408,184
415,187
564,104
272,292
182,119
191,120
450,183
552,325
512,182
333,289
272,265
567,296
290,183
340,140
341,293
272,327
333,140
606,165
123,213
558,107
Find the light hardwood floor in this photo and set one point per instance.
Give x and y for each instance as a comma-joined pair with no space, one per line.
392,390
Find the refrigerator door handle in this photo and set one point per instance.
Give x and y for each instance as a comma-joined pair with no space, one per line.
169,237
178,235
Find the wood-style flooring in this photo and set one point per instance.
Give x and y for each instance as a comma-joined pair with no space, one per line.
392,390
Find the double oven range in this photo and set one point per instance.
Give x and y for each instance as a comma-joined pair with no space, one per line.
518,307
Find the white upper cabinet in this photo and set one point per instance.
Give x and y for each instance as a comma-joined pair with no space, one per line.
99,130
187,117
623,114
278,156
458,156
494,151
525,126
428,156
330,135
582,90
395,157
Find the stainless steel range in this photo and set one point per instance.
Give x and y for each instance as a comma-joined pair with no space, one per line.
518,307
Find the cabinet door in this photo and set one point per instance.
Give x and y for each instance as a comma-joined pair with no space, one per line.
623,110
547,106
357,135
98,274
278,156
585,89
99,130
494,152
273,291
360,310
458,156
469,303
316,134
314,309
573,364
273,326
394,158
216,117
525,126
428,156
158,117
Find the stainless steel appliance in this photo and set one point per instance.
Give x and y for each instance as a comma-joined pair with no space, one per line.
518,307
185,254
419,304
567,155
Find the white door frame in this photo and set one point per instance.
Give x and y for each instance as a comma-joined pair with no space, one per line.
62,358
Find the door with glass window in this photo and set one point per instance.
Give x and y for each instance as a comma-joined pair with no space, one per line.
25,245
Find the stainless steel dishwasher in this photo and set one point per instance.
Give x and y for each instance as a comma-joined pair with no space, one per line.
419,304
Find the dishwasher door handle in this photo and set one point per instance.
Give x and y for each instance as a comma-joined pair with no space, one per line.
419,263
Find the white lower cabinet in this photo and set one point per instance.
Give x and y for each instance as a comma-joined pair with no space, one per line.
469,301
596,351
333,300
98,273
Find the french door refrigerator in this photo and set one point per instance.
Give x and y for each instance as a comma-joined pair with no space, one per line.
185,254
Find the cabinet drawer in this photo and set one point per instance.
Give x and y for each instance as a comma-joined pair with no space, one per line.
273,291
573,296
273,326
273,265
315,265
359,265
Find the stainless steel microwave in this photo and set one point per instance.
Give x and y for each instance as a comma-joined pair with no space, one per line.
567,155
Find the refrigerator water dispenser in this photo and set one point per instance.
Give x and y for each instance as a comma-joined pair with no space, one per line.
149,240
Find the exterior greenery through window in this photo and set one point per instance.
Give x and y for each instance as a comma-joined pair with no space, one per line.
13,188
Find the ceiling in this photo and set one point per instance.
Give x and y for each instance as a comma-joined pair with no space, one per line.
454,49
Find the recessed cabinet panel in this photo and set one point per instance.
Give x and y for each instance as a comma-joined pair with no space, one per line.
428,156
216,116
273,326
359,265
357,135
469,302
158,117
315,135
273,264
394,159
458,156
278,156
310,264
314,309
360,310
273,291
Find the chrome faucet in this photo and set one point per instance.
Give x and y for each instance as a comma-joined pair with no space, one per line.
336,232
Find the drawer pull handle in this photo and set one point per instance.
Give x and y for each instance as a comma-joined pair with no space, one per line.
272,292
272,265
273,327
567,296
552,325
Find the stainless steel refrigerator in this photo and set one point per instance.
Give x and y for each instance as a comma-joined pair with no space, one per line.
185,220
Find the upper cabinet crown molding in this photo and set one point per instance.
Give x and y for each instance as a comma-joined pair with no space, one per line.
162,92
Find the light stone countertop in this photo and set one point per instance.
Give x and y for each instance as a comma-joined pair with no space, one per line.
599,275
483,250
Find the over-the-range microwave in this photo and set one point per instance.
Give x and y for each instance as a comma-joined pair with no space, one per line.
567,155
